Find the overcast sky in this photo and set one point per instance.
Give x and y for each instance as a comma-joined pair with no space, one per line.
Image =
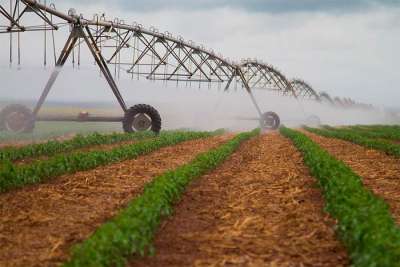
349,48
263,6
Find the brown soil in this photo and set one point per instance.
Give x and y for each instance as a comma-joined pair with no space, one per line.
21,143
106,147
38,224
260,208
380,172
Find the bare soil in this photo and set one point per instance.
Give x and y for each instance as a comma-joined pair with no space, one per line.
106,147
379,172
39,224
260,208
21,143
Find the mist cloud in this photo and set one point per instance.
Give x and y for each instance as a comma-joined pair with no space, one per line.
352,55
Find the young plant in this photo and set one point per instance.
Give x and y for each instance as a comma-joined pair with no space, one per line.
12,176
385,146
53,147
131,232
365,223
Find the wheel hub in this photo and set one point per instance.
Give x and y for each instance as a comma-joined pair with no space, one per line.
268,121
141,122
16,121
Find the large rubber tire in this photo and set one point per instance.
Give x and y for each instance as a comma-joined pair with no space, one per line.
270,121
26,119
147,110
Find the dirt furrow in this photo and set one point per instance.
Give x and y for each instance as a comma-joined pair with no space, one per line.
38,224
21,143
379,172
260,208
104,147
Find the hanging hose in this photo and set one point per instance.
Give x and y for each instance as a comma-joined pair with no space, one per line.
166,62
138,47
177,79
152,57
19,39
219,74
73,57
152,63
133,54
45,38
166,72
98,34
100,37
52,35
11,39
79,47
79,54
116,47
190,69
119,52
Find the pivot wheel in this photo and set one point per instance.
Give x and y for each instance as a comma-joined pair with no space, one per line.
270,121
142,118
17,118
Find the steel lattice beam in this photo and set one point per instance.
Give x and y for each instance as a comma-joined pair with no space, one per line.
304,90
266,77
150,54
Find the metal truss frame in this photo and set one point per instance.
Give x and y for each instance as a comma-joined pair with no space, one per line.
326,97
304,90
266,77
146,53
20,9
153,55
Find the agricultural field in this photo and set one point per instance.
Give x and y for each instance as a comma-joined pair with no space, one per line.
199,133
293,197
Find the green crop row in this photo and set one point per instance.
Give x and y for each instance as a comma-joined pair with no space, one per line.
390,127
388,132
131,232
365,224
373,133
53,147
385,146
12,176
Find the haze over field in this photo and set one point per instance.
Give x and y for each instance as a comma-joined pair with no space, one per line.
346,48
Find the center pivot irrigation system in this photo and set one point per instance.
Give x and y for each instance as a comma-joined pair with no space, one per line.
120,47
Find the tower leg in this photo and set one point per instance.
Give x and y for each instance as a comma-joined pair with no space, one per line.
246,85
101,62
268,120
69,45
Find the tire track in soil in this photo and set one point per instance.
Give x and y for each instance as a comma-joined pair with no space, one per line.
38,224
379,171
260,208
